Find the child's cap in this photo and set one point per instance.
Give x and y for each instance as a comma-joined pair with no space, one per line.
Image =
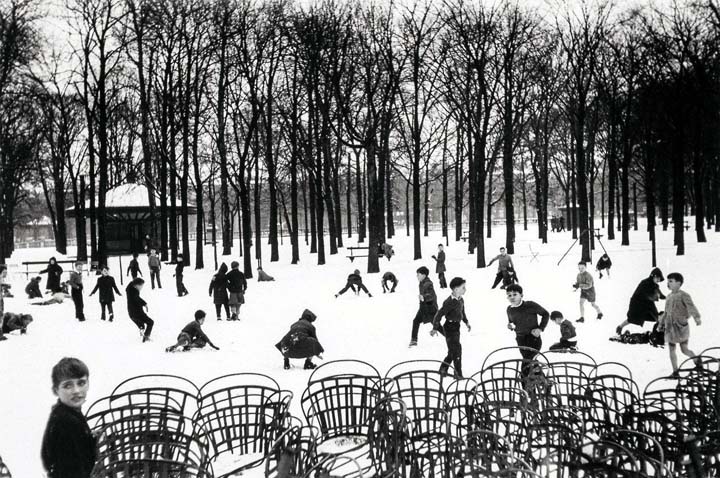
200,314
308,315
657,273
68,368
556,314
456,282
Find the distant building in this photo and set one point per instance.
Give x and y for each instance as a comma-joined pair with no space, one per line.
128,217
35,230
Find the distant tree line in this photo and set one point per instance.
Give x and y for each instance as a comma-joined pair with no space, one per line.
354,107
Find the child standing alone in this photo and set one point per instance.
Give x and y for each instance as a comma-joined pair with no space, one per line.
454,311
679,306
585,283
106,285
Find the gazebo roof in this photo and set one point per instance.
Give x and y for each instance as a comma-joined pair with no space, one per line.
126,201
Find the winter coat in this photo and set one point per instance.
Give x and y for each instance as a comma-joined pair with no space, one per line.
133,267
440,263
106,285
179,269
427,292
354,279
389,276
301,341
54,272
10,321
154,262
603,264
135,303
219,286
679,306
33,289
75,280
642,303
236,281
68,447
194,331
454,312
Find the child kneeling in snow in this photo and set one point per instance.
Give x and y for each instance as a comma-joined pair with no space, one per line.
192,336
568,337
12,322
301,341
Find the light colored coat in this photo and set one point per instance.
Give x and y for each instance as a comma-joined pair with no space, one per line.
679,306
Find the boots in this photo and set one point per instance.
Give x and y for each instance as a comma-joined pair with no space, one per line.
286,363
309,365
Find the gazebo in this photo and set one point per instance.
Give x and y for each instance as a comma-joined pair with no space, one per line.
128,217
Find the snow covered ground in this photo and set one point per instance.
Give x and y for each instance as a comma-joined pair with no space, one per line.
376,330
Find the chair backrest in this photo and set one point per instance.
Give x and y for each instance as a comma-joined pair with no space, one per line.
511,354
648,451
686,400
4,471
180,389
421,390
611,368
116,407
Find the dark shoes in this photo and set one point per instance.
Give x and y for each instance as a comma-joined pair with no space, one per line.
618,330
581,320
146,338
286,364
309,365
413,343
600,316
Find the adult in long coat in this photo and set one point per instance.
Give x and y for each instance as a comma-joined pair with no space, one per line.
301,341
219,291
642,303
54,272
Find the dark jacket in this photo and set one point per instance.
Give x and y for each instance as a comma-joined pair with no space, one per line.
567,330
642,303
440,262
354,279
454,312
219,286
301,341
54,272
236,281
389,276
603,264
134,266
194,331
427,292
33,289
525,318
68,447
11,321
179,269
106,285
135,303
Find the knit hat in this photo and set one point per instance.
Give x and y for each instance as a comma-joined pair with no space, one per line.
308,315
657,273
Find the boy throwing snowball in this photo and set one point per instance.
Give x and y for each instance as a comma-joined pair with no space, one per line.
679,306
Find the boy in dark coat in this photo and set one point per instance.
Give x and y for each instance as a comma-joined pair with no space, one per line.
604,264
179,269
134,267
106,285
237,285
192,335
428,303
354,280
389,277
523,320
10,322
154,265
301,342
505,264
68,446
568,336
642,303
218,290
453,309
440,266
137,308
76,288
54,272
33,288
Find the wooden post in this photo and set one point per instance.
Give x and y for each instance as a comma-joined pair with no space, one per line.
121,268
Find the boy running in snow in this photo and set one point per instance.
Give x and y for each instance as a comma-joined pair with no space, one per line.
134,267
192,335
679,306
454,311
76,286
389,277
428,303
154,265
603,264
568,337
523,319
440,266
179,269
584,282
354,280
68,446
505,263
106,285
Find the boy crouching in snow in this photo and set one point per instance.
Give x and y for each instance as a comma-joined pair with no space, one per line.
568,337
10,322
301,342
192,336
